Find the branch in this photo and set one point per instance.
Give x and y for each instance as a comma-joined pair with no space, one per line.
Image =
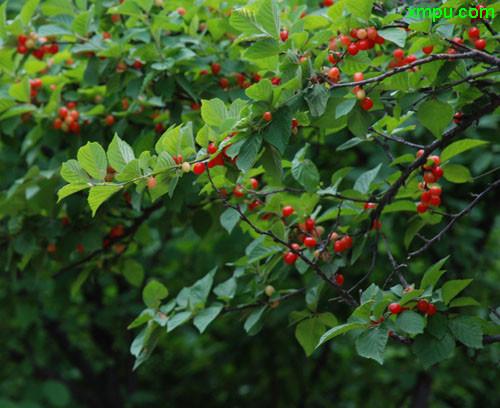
454,219
397,139
394,264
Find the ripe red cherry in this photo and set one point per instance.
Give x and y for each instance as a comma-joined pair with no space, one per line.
334,57
333,72
458,40
296,246
428,50
288,210
457,117
339,246
420,152
106,36
364,44
21,40
57,124
137,64
327,3
347,241
181,10
255,183
74,114
358,76
429,178
436,160
426,197
422,208
22,49
376,226
199,168
75,128
267,116
115,18
398,53
480,44
275,81
253,204
215,68
371,33
431,309
437,172
435,191
354,33
238,191
344,39
290,258
310,223
473,33
159,128
110,120
395,308
367,103
361,33
410,58
369,206
435,201
379,40
257,77
295,123
224,83
339,279
54,49
309,242
80,248
71,105
212,148
63,112
152,182
284,35
422,305
353,49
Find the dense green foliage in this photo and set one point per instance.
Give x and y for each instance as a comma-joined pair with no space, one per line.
128,280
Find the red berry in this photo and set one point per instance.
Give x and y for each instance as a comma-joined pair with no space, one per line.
253,204
344,39
398,53
435,201
106,36
473,33
435,191
369,206
327,3
255,183
116,231
458,40
295,246
290,258
295,123
309,242
437,172
429,178
137,64
333,72
22,49
152,182
199,168
436,160
115,18
431,309
358,76
353,49
181,10
238,191
110,120
159,128
267,116
422,208
395,308
63,112
457,117
310,223
257,77
480,44
371,33
288,210
57,124
428,50
420,152
215,68
54,49
212,148
426,197
203,72
224,82
284,35
347,240
74,114
422,305
21,40
339,279
364,44
376,226
411,58
367,103
80,248
75,128
379,40
339,246
275,81
71,105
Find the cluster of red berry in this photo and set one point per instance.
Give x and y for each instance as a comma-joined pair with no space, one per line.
359,39
479,43
46,45
400,60
431,194
219,160
68,119
422,305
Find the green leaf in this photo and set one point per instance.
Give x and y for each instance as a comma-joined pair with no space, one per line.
460,147
452,288
145,316
28,10
412,230
409,296
437,325
363,182
344,107
72,172
21,91
177,320
99,194
432,274
456,173
371,343
229,218
401,205
435,116
252,322
360,8
395,35
69,189
133,272
308,332
271,161
467,330
56,7
207,316
81,23
200,290
260,91
177,140
304,171
131,171
317,99
410,322
93,159
3,31
464,301
267,47
430,350
226,290
336,331
153,293
213,112
119,153
248,152
278,132
260,17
